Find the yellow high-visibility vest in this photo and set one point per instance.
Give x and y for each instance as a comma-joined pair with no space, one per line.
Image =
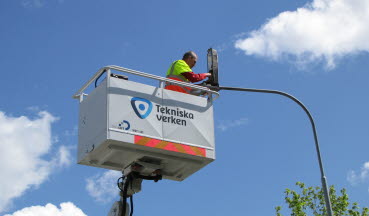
177,68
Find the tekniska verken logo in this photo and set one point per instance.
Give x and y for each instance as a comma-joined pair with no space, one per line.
141,106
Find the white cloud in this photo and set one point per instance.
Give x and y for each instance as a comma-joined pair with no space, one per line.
73,132
358,177
104,187
322,30
64,157
36,3
34,109
33,3
225,125
66,209
23,143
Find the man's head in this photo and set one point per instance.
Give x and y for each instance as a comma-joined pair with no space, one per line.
190,58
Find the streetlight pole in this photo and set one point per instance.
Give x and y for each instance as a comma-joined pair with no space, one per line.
323,178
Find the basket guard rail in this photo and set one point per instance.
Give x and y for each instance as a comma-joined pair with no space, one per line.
161,80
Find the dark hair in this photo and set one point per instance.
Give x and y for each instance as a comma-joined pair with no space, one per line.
188,54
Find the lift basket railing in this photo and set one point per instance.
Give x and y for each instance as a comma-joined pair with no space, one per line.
80,93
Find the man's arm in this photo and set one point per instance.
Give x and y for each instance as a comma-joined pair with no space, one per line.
192,77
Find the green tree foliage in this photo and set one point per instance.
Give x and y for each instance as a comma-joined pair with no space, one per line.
310,201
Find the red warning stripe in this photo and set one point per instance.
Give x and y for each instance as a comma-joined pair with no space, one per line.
170,146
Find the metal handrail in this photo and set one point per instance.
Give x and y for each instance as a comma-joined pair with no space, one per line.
78,94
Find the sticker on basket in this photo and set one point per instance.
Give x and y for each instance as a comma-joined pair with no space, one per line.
141,106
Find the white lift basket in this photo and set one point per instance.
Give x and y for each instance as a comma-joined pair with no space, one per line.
122,122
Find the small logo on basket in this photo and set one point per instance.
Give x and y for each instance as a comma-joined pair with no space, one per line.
124,125
141,106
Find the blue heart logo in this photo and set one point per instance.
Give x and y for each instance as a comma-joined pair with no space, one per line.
141,106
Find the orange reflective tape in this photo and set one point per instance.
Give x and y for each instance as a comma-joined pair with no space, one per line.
169,146
189,150
153,142
161,145
141,140
180,148
196,150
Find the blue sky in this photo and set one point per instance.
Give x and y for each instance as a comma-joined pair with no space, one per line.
315,50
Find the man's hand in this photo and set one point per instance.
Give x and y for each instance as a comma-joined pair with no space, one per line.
207,74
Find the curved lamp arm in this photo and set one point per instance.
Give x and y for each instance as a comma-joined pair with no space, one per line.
323,178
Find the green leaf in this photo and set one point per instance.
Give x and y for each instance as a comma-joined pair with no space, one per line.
310,201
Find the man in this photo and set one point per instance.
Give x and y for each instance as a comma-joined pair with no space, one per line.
180,70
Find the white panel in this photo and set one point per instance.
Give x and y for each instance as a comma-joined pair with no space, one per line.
92,121
187,119
131,107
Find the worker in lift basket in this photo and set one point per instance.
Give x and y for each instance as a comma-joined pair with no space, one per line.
180,70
